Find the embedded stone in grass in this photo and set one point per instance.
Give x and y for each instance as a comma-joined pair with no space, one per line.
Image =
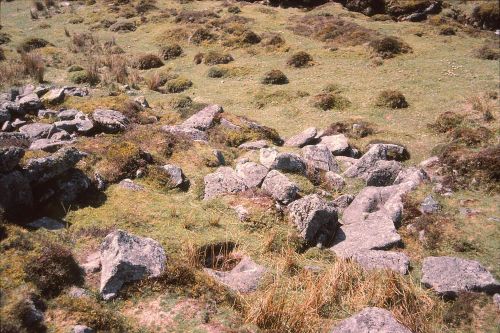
392,99
224,181
308,136
244,277
334,181
274,76
252,173
383,173
377,259
46,223
187,132
371,320
254,145
337,144
289,162
110,121
205,118
279,187
300,59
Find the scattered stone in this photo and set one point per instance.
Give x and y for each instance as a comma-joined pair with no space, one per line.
280,187
176,175
337,144
54,96
371,320
227,124
80,123
307,137
289,162
49,145
203,119
46,223
127,258
334,181
320,157
76,91
243,278
29,102
380,151
130,185
47,114
429,205
254,145
224,181
376,259
68,114
6,127
110,121
17,123
267,156
449,276
315,218
9,158
82,329
15,139
252,173
343,201
189,133
383,173
38,130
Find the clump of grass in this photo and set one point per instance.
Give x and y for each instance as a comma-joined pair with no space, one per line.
148,61
198,58
216,58
447,31
483,104
393,99
31,44
34,65
201,35
178,85
471,136
354,129
300,59
327,101
274,76
53,269
217,72
461,310
389,47
447,121
171,51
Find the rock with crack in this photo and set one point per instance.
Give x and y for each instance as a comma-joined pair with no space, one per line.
243,278
376,259
203,119
254,145
383,173
315,218
371,320
127,258
109,121
376,232
289,162
38,130
337,144
9,158
175,174
319,157
306,137
279,187
187,132
46,223
252,173
223,181
448,276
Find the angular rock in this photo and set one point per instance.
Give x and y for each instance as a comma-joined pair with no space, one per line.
54,96
49,145
334,181
39,170
315,218
289,162
16,195
343,201
177,177
38,130
252,173
267,156
68,114
376,259
306,137
110,121
254,145
14,139
9,158
80,123
46,114
383,173
46,223
371,320
127,258
380,151
449,276
130,185
17,123
29,102
224,181
337,144
204,118
189,133
243,278
320,157
72,186
280,187
429,205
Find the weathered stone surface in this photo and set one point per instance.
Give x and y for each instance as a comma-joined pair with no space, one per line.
376,232
315,218
289,162
38,130
29,102
337,144
267,156
49,145
4,115
80,123
380,151
130,185
254,145
72,186
371,320
376,259
47,114
17,123
223,181
383,173
203,119
16,195
82,329
190,133
450,275
320,157
39,170
76,91
176,175
243,278
252,173
9,158
110,121
304,138
46,223
280,187
68,114
77,292
227,124
14,139
334,181
127,258
54,96
343,201
429,205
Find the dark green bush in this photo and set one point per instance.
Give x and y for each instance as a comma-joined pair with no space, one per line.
274,76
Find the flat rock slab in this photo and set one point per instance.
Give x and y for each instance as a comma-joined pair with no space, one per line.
376,153
289,162
49,145
187,132
203,119
376,259
130,185
450,275
243,278
377,232
38,130
252,173
254,145
371,320
279,187
224,181
306,137
110,121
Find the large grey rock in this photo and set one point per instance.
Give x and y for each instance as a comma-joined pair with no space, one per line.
450,275
38,130
187,132
176,175
243,278
376,232
337,144
306,137
376,259
9,158
279,187
53,96
80,123
252,173
48,145
16,195
289,162
40,170
14,139
254,145
383,173
30,102
315,218
376,153
203,119
320,157
110,121
127,258
371,320
224,181
68,114
334,181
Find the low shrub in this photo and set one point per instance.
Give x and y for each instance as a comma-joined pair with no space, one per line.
446,121
171,51
148,61
388,47
486,15
327,101
300,59
274,76
201,35
233,9
471,137
217,72
392,99
447,31
216,58
31,44
198,58
354,129
178,85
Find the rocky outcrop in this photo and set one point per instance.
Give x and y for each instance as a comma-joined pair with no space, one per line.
371,320
243,278
203,119
127,258
224,181
383,173
254,145
279,187
252,173
289,162
9,158
319,157
38,130
109,121
308,136
187,132
337,144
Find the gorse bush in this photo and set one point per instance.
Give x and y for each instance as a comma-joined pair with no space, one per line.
216,58
327,101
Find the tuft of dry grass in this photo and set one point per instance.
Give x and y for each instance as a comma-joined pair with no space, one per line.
392,99
389,47
300,59
34,65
